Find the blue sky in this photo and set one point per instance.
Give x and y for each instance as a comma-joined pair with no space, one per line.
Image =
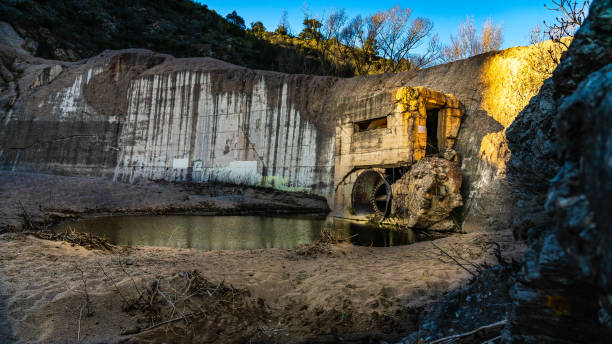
516,16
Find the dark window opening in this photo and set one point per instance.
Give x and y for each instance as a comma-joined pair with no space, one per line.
432,132
371,124
395,173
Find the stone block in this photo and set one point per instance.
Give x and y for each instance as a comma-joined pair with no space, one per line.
454,112
452,126
426,195
452,102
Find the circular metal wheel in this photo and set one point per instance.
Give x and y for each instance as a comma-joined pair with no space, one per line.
371,195
380,198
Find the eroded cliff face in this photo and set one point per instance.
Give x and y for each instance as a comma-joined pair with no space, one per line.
183,127
134,114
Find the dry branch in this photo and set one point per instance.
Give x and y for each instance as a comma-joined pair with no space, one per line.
454,259
26,218
79,324
491,330
130,276
86,294
164,323
169,301
76,238
187,299
113,281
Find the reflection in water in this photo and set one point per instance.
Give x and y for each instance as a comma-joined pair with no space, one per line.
232,232
366,234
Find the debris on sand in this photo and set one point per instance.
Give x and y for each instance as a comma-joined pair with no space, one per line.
89,241
187,307
322,245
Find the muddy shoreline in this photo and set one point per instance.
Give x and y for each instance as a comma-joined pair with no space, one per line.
41,200
56,217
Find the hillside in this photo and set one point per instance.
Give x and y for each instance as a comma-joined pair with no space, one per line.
71,30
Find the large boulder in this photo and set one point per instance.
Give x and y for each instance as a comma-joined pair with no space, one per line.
426,196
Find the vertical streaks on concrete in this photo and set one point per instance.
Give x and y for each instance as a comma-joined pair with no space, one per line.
255,135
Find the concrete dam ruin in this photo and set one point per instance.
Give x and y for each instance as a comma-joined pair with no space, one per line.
406,148
96,155
373,152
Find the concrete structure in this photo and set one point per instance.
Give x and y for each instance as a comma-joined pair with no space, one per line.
386,134
137,115
179,128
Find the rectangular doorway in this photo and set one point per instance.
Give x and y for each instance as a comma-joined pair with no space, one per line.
432,132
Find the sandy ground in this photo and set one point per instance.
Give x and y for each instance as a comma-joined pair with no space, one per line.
350,292
47,198
54,292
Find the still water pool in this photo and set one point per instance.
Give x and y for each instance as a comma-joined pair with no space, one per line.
233,232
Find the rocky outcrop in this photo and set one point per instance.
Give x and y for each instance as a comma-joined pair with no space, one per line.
563,292
532,162
425,196
478,304
566,273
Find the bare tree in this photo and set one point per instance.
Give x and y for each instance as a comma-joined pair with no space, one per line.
359,36
283,27
333,24
547,52
431,56
332,30
396,36
570,16
491,37
383,42
469,42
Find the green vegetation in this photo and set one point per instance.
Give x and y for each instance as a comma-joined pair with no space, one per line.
77,29
333,44
380,43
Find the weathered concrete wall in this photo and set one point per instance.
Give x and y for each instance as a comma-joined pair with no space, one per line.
179,128
135,114
185,120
